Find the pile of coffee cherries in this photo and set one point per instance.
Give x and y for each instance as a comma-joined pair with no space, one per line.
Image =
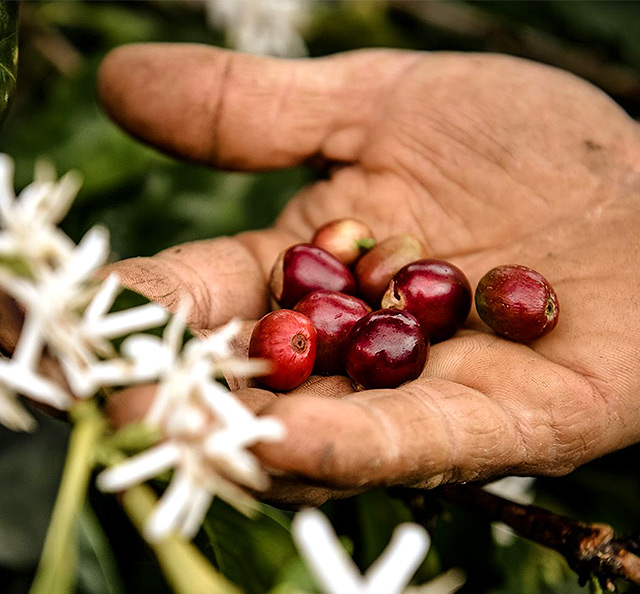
350,305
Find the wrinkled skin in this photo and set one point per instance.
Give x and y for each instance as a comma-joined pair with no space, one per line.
488,160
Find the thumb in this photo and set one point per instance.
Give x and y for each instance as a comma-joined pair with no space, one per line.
246,112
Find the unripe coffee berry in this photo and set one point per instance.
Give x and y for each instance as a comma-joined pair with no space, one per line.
346,239
374,270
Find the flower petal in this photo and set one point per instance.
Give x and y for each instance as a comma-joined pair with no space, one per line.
448,582
7,194
148,353
119,372
78,377
116,324
236,464
159,405
139,468
89,255
232,494
30,343
61,197
198,507
392,571
36,387
171,508
13,415
225,405
514,488
103,299
174,331
333,569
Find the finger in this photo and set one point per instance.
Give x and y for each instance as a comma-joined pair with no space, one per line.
131,405
246,112
11,318
296,493
220,278
485,407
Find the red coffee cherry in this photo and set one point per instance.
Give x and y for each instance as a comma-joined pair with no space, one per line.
386,348
333,314
436,292
517,302
288,339
304,268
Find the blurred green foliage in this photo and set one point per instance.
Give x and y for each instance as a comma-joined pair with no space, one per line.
8,54
149,202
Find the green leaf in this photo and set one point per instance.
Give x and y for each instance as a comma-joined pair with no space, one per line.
293,578
97,568
251,552
378,516
8,54
30,469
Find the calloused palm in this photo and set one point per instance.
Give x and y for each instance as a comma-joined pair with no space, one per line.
489,160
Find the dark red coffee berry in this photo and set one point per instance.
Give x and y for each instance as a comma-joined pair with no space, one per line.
386,348
517,302
347,239
436,292
374,270
288,339
333,314
304,268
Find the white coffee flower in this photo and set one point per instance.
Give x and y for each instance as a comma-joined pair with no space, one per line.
67,311
207,430
336,573
28,222
87,337
266,27
16,379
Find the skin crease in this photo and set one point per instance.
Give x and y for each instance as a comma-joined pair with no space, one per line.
488,160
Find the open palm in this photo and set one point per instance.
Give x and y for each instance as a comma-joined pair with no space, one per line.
489,160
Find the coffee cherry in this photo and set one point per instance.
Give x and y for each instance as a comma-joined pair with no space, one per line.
517,302
436,292
333,314
385,349
304,268
346,239
288,339
374,270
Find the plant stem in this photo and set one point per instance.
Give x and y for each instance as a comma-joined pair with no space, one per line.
185,568
590,549
56,570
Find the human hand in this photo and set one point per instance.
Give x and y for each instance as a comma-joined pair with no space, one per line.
489,160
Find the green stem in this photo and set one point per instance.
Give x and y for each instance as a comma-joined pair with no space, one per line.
594,585
185,568
366,243
56,570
